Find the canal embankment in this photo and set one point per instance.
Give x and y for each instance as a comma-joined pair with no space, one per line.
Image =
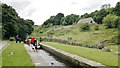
76,60
42,58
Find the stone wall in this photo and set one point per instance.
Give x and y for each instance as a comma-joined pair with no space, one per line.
68,42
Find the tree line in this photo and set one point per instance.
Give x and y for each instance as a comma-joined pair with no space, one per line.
13,24
108,16
60,19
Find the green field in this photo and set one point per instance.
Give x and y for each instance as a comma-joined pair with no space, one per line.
16,55
106,58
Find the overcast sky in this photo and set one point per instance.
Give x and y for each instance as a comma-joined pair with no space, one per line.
41,10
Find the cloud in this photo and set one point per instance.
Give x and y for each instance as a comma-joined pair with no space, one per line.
91,7
28,11
6,1
31,11
20,6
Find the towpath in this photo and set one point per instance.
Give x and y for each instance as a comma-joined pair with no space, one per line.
42,58
3,44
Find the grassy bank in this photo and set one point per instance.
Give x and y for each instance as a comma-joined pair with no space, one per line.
91,37
16,55
106,58
0,60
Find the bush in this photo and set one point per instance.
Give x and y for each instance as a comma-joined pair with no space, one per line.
12,39
84,27
41,32
96,27
50,33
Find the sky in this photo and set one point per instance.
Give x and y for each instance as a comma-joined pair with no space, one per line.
41,10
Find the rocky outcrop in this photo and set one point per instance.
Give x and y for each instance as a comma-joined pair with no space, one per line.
106,49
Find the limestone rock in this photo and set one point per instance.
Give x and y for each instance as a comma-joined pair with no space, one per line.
106,49
117,53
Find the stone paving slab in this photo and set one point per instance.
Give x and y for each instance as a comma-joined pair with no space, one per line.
42,58
3,44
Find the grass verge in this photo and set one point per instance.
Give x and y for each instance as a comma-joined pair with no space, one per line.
0,59
16,55
105,58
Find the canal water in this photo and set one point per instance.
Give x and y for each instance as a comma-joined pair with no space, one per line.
46,59
53,60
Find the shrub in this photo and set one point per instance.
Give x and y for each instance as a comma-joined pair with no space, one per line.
41,32
84,27
96,27
50,33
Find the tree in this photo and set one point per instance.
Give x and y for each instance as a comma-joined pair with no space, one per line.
29,27
53,20
86,15
111,21
49,21
9,21
12,24
117,9
98,15
64,23
70,19
58,18
0,13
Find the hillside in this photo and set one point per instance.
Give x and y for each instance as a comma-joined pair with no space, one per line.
71,29
91,37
